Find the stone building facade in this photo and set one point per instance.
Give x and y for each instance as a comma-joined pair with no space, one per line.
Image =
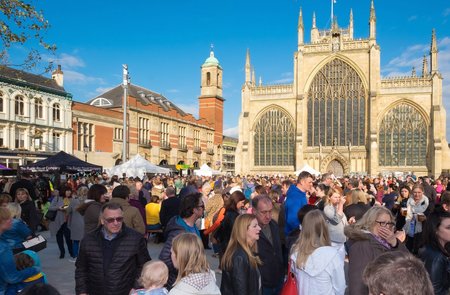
156,128
35,117
340,115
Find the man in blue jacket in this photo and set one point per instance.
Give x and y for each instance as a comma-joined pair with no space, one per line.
296,199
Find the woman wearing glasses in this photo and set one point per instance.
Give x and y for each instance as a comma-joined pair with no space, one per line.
368,238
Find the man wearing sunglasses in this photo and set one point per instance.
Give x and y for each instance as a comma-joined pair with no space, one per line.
111,257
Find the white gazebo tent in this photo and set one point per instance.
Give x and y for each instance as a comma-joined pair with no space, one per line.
309,169
137,167
205,170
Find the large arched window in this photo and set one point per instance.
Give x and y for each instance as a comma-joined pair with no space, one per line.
274,139
403,137
337,106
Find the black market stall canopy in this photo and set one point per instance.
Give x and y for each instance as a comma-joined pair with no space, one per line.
62,162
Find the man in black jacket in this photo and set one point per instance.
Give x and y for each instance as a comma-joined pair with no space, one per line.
111,257
191,209
269,246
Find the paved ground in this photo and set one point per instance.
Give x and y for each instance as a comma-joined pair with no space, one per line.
61,272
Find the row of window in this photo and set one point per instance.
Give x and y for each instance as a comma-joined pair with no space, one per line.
19,141
19,107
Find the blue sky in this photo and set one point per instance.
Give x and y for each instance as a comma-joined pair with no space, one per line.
164,43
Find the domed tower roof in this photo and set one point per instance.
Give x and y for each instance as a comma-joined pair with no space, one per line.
211,60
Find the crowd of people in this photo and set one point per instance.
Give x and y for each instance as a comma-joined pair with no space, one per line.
393,233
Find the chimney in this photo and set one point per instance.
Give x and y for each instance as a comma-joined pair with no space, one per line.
58,76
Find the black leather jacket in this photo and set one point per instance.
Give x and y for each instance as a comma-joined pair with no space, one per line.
241,278
438,266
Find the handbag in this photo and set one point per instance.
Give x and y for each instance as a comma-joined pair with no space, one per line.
290,285
51,215
35,244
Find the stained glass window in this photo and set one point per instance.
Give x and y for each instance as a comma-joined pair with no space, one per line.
403,137
274,139
339,108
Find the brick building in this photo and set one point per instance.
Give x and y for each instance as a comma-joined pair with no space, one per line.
156,128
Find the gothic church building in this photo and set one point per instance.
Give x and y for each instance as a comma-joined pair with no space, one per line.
340,115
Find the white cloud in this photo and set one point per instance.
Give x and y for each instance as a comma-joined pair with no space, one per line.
412,18
67,61
232,132
189,108
446,12
286,78
80,78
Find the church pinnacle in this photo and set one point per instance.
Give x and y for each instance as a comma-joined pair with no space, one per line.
247,67
424,66
433,53
300,28
372,21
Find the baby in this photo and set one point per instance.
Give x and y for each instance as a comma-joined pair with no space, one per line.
153,278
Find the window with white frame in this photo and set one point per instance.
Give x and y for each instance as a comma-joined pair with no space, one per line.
2,140
165,135
20,139
118,133
19,106
56,141
182,137
196,139
85,136
38,108
56,112
144,131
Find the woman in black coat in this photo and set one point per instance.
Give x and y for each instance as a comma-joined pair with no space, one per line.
232,207
29,212
435,254
240,273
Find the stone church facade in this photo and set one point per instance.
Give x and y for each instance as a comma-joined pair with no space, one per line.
340,115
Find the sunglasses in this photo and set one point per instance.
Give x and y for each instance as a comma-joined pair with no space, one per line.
112,219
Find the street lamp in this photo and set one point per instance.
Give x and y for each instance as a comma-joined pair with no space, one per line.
86,150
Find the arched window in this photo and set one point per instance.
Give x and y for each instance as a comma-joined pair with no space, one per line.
19,106
38,108
1,102
208,78
337,106
274,139
403,137
56,112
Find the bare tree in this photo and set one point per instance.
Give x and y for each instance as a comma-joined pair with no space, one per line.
22,24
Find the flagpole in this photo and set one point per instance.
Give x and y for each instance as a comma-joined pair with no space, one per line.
332,14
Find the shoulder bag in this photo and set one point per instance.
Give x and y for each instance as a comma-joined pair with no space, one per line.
290,285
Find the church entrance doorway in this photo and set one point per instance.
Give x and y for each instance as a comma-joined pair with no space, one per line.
336,168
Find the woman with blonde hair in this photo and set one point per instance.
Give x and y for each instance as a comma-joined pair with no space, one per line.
194,274
29,212
335,217
358,206
318,267
18,232
368,238
240,273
